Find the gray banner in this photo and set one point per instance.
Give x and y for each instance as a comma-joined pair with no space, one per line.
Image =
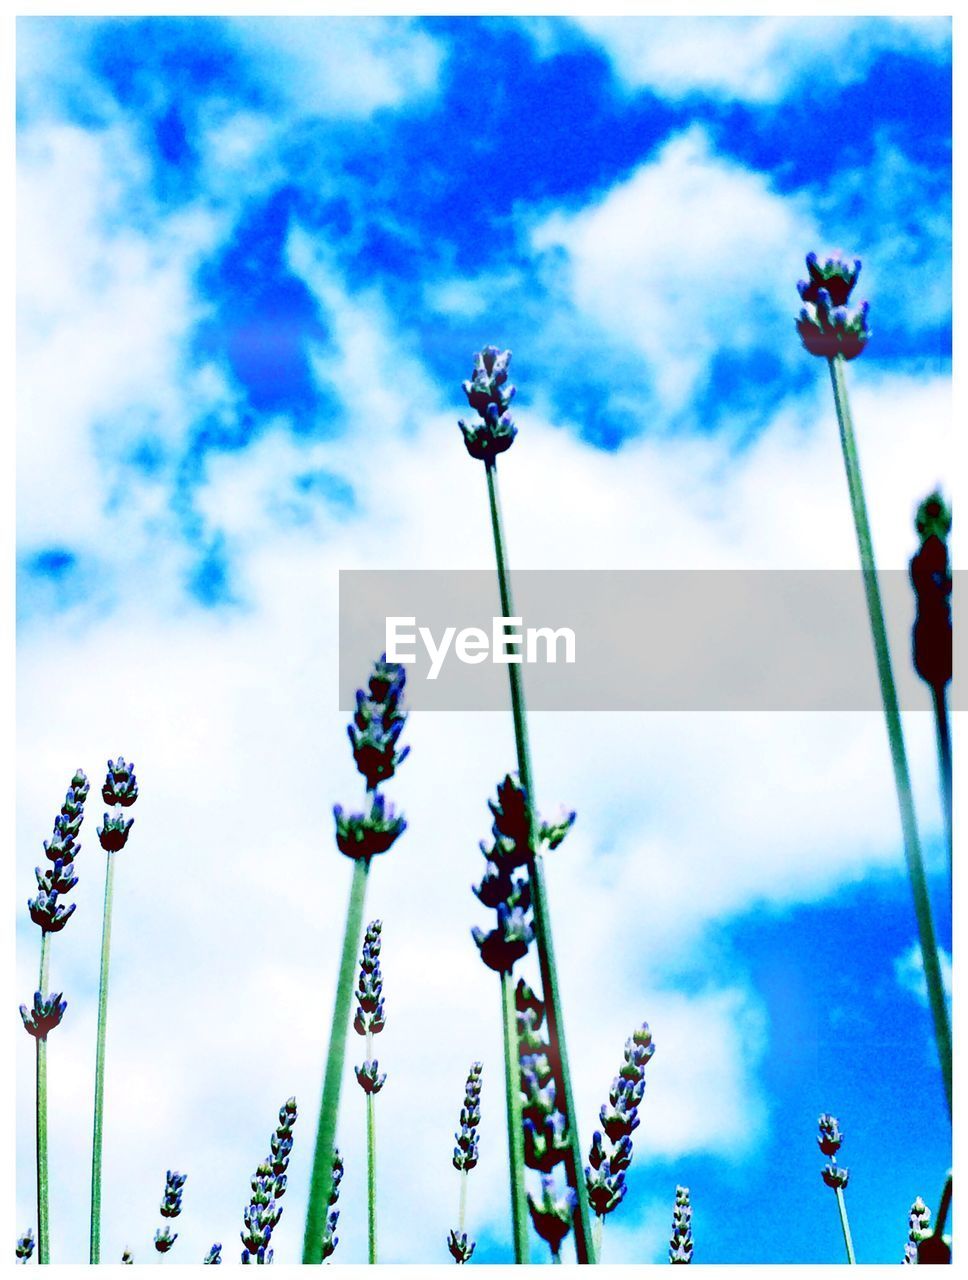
670,640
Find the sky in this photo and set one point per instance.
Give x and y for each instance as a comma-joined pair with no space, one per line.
255,259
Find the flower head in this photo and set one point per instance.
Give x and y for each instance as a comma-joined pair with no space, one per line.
25,1246
835,1175
369,1077
370,1014
931,578
490,394
836,275
364,835
680,1245
466,1150
504,945
330,1239
214,1256
171,1206
45,1015
826,330
48,913
164,1239
377,723
460,1247
120,785
114,834
830,1138
552,1214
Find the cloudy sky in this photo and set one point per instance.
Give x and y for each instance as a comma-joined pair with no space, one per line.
255,258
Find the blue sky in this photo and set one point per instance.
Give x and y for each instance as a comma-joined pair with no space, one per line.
255,258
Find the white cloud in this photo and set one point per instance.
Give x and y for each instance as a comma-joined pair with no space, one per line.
755,60
692,255
909,972
332,66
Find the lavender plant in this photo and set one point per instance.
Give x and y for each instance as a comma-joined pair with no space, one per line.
489,394
50,915
268,1186
465,1159
834,1175
120,791
25,1246
214,1256
171,1207
829,329
330,1238
931,636
509,896
680,1244
374,735
919,1228
545,1126
127,1258
606,1169
369,1021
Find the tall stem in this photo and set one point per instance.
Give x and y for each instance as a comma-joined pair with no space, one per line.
892,715
512,1090
845,1225
370,1164
321,1181
462,1203
599,1232
942,723
539,895
102,1026
43,1177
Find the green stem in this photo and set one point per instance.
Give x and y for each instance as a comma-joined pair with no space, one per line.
512,1090
539,896
371,1176
43,1176
321,1181
102,1025
599,1232
892,715
940,693
462,1203
845,1225
370,1163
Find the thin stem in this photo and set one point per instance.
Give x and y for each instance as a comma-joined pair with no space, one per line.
102,1026
370,1163
371,1176
462,1203
43,1175
845,1225
512,1090
940,693
599,1230
321,1181
539,896
892,715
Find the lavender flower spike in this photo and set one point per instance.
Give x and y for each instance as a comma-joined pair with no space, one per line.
171,1206
330,1238
268,1185
552,1214
460,1247
680,1245
164,1239
25,1246
830,1139
44,1016
919,1228
490,394
214,1256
